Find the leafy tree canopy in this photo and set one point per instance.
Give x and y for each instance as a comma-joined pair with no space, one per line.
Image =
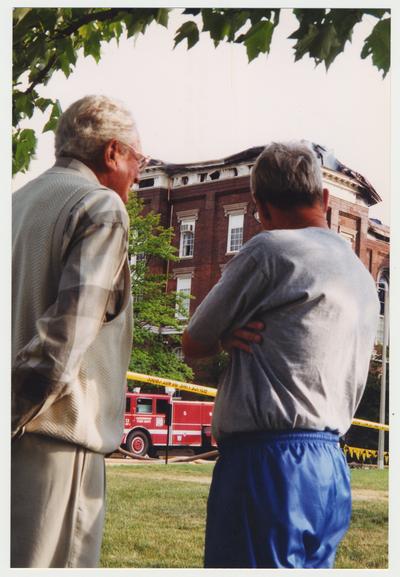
46,40
154,309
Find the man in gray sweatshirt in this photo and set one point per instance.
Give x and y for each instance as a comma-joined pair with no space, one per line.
72,334
280,495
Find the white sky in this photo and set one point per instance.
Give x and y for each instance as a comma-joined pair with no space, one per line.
208,103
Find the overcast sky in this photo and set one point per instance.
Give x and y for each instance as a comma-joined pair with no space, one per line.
209,102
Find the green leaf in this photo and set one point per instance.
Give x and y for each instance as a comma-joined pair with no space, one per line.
92,44
23,105
216,24
326,45
238,20
344,22
134,24
44,103
66,46
19,14
258,39
24,146
377,45
305,42
116,29
162,17
260,14
56,112
306,18
64,64
188,31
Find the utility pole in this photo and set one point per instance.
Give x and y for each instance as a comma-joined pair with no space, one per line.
382,405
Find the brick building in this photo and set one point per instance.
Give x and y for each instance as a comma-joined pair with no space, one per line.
210,207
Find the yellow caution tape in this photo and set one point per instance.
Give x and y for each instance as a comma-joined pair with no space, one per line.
370,424
363,454
211,392
202,390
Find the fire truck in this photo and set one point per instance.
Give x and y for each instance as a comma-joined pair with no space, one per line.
152,418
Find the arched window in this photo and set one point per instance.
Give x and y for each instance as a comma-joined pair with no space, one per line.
382,288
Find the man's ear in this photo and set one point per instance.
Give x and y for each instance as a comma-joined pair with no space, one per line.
325,199
264,210
110,154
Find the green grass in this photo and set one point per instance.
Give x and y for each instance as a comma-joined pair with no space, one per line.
370,478
365,545
156,517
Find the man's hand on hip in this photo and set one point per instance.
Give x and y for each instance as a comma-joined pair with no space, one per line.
243,337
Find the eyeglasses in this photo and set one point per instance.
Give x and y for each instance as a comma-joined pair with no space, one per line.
256,215
141,159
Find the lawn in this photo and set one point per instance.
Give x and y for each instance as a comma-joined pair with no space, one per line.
156,515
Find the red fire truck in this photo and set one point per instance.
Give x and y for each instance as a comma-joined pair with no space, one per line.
146,423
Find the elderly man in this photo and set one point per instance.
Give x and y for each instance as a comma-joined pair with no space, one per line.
72,334
280,494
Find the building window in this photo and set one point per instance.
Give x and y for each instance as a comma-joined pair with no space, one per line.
183,287
383,289
235,213
349,234
186,245
179,353
146,183
235,232
135,258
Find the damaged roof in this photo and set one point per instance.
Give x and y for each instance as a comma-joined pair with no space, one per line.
326,157
379,230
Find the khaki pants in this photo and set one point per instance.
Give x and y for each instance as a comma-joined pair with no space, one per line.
57,503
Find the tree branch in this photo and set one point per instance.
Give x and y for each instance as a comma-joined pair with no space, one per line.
71,29
42,74
86,19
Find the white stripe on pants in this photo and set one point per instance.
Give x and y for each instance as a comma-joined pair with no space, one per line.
57,503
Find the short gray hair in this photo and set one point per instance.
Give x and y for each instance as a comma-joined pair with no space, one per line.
89,123
287,174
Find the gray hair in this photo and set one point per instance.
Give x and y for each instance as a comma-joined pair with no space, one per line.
287,174
89,123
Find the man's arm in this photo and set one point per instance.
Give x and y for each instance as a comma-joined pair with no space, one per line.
94,251
196,350
225,318
241,338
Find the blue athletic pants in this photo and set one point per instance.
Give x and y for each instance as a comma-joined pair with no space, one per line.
278,500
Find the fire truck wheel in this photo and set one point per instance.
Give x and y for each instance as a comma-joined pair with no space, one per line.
138,443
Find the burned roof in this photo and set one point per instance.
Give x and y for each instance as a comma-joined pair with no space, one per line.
378,229
326,157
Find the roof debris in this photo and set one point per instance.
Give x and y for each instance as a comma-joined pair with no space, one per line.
326,156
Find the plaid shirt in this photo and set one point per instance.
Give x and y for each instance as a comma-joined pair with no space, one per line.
91,289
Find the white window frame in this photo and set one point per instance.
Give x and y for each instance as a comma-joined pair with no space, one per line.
234,210
382,286
234,216
184,285
349,234
187,228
